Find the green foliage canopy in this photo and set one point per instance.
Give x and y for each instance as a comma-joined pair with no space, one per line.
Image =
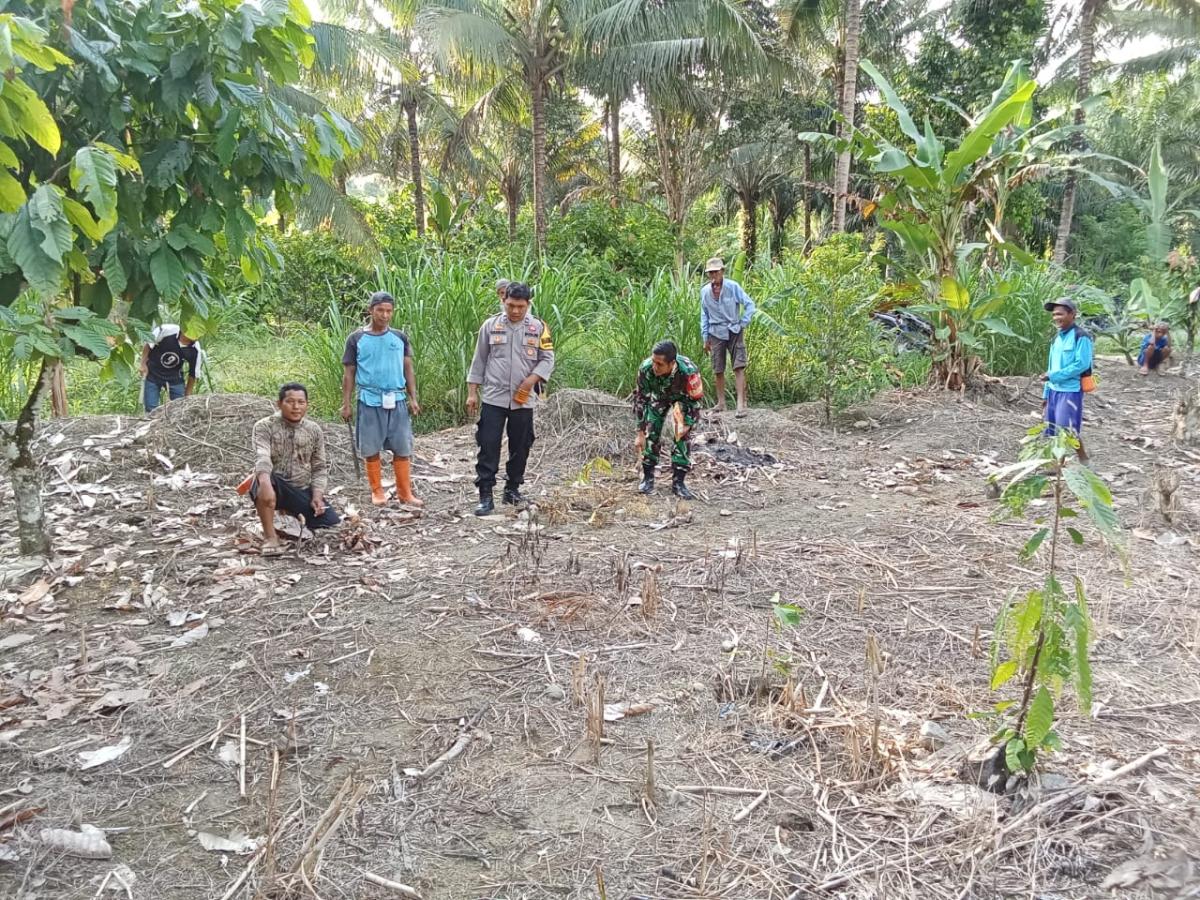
135,137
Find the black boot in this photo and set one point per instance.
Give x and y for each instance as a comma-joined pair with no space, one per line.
647,484
512,496
678,488
486,507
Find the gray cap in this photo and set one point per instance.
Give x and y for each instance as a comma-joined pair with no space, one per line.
1061,301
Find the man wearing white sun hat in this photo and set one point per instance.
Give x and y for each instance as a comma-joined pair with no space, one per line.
725,311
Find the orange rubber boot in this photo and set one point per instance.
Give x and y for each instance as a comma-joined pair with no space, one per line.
402,466
375,480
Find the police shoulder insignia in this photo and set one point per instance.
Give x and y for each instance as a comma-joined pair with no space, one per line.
547,341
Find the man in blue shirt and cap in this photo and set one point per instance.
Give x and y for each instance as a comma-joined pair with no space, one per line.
1070,361
725,311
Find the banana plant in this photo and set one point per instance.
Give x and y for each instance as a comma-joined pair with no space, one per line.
931,194
1162,215
444,216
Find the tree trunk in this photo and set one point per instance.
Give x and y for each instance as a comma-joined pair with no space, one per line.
414,162
807,199
1189,322
26,479
841,179
750,229
58,390
1083,88
339,180
1185,426
614,147
672,185
539,162
512,202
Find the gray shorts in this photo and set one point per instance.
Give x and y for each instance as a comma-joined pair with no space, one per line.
384,429
734,348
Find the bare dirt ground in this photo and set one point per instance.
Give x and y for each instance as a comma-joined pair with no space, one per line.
413,707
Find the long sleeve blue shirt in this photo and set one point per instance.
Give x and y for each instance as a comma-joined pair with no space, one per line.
724,315
1070,357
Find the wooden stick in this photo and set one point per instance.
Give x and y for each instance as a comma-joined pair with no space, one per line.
717,789
70,745
242,760
958,637
456,749
194,803
402,889
745,811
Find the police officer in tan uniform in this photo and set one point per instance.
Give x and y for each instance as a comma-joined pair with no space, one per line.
513,354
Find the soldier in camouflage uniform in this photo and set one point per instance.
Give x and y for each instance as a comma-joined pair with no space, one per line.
664,380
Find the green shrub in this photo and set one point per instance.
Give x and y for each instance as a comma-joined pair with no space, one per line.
315,265
824,345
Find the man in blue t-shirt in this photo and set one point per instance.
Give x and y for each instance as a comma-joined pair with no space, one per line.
1156,350
379,362
1070,359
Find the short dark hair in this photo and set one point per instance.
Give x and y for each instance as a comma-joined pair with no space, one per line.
667,350
519,290
292,386
381,297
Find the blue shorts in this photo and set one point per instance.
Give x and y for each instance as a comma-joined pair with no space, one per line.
1064,409
297,502
384,429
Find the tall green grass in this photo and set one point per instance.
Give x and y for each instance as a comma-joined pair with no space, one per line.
322,348
1024,290
603,328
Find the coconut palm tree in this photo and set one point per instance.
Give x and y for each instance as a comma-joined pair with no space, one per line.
849,96
1088,14
1166,18
662,49
382,70
522,40
749,173
828,38
616,45
785,197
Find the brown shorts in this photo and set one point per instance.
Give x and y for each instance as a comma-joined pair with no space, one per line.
734,348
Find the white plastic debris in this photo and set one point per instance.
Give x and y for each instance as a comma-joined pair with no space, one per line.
191,636
293,677
529,635
86,843
237,843
89,759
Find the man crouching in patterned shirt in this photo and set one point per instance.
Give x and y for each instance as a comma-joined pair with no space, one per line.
291,472
667,385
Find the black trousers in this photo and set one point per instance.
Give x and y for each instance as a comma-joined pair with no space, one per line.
297,501
488,434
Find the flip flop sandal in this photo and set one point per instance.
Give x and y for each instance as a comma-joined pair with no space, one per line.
272,551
